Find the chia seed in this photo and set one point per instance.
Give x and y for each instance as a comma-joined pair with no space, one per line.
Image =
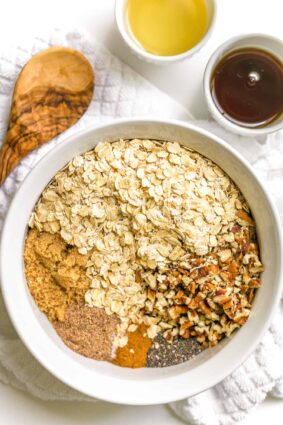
163,354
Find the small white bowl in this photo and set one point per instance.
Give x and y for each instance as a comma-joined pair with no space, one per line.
260,41
123,27
104,380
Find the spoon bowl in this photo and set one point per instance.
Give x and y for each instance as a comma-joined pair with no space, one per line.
51,94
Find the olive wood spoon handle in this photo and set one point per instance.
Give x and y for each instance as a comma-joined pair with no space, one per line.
53,91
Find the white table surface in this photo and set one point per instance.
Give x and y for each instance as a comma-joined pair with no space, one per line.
182,81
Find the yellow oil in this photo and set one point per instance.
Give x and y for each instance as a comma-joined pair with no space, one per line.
167,27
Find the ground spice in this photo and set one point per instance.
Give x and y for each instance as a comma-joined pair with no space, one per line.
135,352
88,330
55,273
163,354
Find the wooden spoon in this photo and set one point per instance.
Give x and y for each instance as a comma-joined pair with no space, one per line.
52,92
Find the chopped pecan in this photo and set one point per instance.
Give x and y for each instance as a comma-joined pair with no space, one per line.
244,218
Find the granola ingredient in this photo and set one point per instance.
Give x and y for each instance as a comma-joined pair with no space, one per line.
142,210
212,295
134,354
167,27
247,87
164,354
55,273
88,331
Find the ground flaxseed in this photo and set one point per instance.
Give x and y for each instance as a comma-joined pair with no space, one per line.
88,331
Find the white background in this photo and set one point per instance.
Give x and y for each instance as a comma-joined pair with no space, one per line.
182,81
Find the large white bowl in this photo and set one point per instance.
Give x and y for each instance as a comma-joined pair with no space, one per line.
103,380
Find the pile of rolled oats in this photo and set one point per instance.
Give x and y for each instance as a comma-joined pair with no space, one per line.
171,238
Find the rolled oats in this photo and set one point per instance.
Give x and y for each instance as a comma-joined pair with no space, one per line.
171,238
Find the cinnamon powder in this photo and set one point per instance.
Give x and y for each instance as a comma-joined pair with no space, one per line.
134,354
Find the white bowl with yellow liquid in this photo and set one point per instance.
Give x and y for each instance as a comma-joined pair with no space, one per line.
165,31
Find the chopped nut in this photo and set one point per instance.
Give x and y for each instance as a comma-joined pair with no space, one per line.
244,218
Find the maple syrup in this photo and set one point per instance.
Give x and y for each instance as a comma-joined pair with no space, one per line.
247,87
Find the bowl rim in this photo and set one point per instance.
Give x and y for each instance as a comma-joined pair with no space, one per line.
151,57
217,54
34,346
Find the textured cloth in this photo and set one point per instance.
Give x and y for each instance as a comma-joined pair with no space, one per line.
120,92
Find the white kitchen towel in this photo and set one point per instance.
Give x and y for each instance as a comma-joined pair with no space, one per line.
120,92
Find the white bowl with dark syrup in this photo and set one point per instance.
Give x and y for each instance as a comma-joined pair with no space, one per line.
243,85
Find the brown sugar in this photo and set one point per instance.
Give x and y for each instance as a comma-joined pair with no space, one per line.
134,354
88,330
55,273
